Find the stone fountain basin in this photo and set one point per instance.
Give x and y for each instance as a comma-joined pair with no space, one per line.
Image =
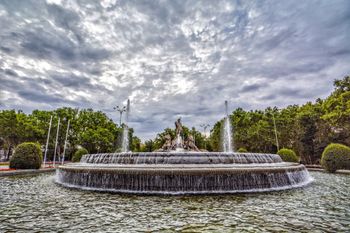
183,178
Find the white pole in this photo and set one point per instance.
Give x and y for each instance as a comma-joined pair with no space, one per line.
58,129
47,141
274,124
65,143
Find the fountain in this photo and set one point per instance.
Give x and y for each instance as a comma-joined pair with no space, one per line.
179,167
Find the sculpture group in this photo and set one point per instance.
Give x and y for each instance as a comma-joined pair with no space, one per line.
178,143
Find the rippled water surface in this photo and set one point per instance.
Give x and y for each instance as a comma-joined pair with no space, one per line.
38,204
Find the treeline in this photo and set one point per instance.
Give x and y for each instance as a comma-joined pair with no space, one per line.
306,129
90,129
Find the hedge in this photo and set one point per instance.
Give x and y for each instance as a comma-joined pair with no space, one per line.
78,154
288,155
27,155
242,150
336,156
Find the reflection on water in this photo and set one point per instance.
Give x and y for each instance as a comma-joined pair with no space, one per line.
37,203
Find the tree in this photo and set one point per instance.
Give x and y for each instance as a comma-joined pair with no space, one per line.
148,146
97,140
342,85
307,129
9,130
136,144
92,129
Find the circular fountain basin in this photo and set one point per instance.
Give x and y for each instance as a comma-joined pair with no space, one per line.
183,173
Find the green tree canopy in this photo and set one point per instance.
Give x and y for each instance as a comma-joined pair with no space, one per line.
307,129
88,128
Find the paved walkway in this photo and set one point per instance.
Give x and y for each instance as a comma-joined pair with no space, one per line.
322,170
25,172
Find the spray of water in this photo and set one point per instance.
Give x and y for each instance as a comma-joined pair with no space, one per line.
125,142
227,140
178,141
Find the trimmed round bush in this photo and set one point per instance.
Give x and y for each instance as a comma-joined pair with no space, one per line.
242,150
288,155
27,155
78,154
336,156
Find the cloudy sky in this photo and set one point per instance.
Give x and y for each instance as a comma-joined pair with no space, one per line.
171,58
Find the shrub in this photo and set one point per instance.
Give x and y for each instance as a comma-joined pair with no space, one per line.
242,150
27,155
78,154
288,155
336,156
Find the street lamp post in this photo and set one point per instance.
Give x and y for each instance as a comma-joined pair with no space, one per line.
120,110
56,143
205,126
47,140
65,143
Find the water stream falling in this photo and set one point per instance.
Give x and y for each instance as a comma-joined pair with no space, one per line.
157,158
183,173
125,142
179,143
227,143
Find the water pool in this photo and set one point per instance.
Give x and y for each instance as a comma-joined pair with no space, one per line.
36,203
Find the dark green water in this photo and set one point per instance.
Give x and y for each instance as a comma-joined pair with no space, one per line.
37,204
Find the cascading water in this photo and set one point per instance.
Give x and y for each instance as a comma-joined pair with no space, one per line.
125,141
179,143
181,158
183,173
227,143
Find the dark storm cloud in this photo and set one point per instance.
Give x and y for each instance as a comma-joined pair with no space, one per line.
36,96
171,58
11,73
269,97
5,49
253,87
7,82
77,82
43,45
64,18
